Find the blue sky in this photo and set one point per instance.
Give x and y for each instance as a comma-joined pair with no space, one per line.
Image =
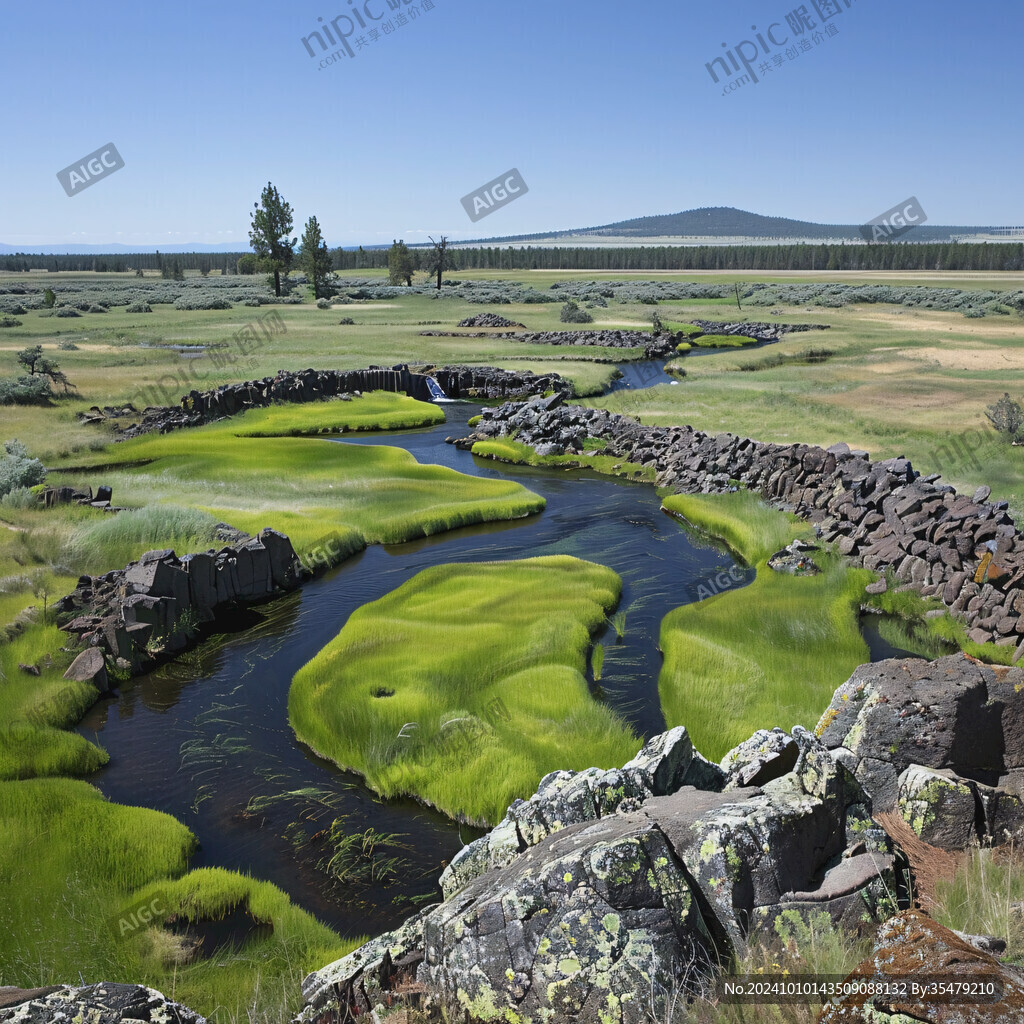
605,107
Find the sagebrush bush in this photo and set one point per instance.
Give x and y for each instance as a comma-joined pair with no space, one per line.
139,307
9,321
572,314
202,302
26,390
18,469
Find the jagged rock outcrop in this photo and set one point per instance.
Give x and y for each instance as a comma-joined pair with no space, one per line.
104,1003
965,551
607,890
942,742
912,949
153,606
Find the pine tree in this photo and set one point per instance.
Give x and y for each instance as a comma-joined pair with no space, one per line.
315,259
400,264
268,235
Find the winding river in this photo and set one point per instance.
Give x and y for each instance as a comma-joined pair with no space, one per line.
206,737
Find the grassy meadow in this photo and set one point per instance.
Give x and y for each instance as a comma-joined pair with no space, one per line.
893,380
768,654
465,686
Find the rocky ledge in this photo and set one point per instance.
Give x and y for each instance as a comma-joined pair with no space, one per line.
608,891
966,551
154,606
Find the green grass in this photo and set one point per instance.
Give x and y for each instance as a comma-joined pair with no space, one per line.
308,488
376,410
506,449
722,341
36,709
73,866
983,897
768,654
460,647
688,329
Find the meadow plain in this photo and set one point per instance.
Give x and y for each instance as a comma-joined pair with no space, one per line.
896,380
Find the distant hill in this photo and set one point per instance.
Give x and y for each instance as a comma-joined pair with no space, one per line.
728,222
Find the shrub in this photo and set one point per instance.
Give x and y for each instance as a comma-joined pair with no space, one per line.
67,345
139,307
66,311
323,304
26,390
49,298
346,320
17,470
1006,416
9,321
202,301
19,497
97,308
572,314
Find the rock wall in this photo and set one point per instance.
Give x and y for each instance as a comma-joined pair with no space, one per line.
966,551
480,382
154,606
762,332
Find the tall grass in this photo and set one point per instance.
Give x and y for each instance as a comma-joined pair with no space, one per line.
768,654
309,487
465,686
72,865
117,540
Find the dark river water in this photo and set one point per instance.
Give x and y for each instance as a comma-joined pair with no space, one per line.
206,737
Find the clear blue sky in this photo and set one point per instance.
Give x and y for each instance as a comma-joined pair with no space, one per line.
605,106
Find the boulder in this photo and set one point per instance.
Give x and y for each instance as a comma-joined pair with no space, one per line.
953,713
104,1003
89,667
939,806
607,890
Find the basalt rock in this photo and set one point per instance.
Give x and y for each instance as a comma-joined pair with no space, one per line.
941,741
104,1003
607,890
489,320
153,606
486,382
965,551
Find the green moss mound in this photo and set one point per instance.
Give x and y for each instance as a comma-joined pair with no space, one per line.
771,653
465,686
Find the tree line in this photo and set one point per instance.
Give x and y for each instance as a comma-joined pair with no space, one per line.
899,256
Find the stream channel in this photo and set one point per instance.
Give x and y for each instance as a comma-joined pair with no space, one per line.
206,737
